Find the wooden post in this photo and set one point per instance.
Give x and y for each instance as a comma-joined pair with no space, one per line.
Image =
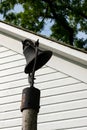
29,120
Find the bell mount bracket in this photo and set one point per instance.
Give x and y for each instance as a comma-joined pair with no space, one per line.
32,74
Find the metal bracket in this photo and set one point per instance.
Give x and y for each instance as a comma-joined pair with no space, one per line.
31,75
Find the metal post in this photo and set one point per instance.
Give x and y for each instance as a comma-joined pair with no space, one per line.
30,101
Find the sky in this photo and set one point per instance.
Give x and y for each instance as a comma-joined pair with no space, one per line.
1,17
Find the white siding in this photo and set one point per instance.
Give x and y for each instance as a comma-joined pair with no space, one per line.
63,98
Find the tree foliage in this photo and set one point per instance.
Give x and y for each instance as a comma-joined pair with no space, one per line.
69,16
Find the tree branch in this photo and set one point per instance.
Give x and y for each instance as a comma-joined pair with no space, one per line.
78,12
59,18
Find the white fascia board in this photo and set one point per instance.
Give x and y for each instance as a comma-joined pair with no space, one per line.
58,49
69,68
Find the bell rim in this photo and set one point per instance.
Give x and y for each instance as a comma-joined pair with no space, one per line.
26,70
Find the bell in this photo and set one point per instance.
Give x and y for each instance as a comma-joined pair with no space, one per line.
30,55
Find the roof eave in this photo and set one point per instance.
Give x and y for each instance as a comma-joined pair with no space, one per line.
58,49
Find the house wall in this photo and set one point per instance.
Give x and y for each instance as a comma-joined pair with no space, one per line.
63,97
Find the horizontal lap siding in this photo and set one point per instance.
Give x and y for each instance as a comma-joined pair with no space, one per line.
63,98
12,64
2,49
12,128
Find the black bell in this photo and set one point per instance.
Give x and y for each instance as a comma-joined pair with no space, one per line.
29,53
